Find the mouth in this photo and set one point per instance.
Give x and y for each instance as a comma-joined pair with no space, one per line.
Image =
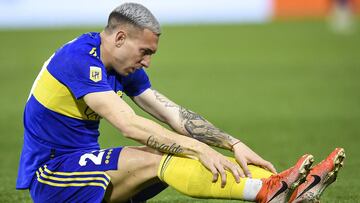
132,69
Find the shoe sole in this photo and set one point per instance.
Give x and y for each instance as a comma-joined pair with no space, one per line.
331,176
303,171
338,163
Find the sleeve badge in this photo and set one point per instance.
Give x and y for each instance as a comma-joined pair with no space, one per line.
95,73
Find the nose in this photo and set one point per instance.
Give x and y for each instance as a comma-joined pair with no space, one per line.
145,62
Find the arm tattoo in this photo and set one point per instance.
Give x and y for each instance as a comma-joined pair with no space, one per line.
202,130
197,127
163,99
171,149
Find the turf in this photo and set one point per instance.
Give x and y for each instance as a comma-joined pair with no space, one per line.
284,88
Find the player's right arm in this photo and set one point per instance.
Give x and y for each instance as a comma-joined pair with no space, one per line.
109,106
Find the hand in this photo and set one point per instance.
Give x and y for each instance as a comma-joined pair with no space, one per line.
244,156
217,164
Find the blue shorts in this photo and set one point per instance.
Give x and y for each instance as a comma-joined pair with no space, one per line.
75,177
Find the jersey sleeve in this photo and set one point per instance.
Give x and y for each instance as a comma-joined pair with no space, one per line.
136,83
81,73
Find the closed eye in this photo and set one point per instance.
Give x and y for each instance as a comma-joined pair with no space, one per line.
147,52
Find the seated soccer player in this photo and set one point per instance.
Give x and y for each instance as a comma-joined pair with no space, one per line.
84,81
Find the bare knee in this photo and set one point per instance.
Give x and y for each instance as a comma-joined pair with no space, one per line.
140,158
137,167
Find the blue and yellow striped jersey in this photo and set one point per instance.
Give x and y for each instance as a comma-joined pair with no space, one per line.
56,118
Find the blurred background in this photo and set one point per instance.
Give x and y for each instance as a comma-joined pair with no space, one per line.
42,13
282,75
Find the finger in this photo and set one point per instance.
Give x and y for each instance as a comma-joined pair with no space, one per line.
239,159
241,172
271,167
222,172
215,174
265,164
234,170
245,168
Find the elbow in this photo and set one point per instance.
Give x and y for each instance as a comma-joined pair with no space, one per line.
175,124
128,132
128,127
169,120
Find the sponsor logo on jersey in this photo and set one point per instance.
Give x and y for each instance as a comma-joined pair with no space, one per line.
91,115
119,93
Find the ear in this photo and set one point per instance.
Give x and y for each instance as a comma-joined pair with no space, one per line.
120,38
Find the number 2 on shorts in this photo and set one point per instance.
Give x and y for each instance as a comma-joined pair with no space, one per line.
96,159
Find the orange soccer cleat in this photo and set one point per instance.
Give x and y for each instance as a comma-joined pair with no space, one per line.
320,177
277,187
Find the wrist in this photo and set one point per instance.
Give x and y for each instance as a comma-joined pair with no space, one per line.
201,149
234,144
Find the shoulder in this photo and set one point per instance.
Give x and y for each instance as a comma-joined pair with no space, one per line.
86,45
77,65
77,54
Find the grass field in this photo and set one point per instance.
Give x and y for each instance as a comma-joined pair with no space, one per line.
284,88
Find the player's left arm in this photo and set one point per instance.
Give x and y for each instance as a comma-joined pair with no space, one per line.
182,120
189,123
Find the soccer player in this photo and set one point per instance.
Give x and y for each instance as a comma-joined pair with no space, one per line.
85,80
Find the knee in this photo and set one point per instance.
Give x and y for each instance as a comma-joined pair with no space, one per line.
143,158
136,167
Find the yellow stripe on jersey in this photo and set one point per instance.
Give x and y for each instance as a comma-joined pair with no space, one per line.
57,97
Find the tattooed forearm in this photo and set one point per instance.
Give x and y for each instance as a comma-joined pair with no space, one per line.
202,130
196,126
171,149
163,99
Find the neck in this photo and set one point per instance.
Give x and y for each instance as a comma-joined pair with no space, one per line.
104,52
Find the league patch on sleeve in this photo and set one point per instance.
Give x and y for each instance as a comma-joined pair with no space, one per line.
95,73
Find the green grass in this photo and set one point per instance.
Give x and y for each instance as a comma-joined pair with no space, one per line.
284,88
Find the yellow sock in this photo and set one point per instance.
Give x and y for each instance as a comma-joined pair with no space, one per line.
191,178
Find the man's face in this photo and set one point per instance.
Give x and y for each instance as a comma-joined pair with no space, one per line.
133,52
